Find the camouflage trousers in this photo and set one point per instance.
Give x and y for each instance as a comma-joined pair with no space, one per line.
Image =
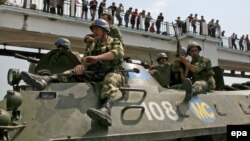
203,86
111,83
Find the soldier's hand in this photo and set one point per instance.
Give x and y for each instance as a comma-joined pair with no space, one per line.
183,59
152,72
89,39
79,69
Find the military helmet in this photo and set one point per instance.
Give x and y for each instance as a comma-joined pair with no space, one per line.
193,44
100,23
65,43
161,55
4,118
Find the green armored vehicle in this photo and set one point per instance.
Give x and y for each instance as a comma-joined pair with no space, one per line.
146,112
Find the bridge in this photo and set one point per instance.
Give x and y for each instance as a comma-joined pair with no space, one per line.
33,28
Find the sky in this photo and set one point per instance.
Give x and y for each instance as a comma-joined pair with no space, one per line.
233,17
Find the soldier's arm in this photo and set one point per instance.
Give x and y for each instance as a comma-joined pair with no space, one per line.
117,50
105,56
203,64
189,66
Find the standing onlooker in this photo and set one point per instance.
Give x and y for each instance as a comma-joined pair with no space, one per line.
159,19
193,23
85,9
147,21
179,23
133,17
188,22
152,28
72,8
211,28
223,33
241,42
139,18
247,42
53,4
233,38
113,9
217,28
60,6
102,7
46,5
201,21
126,16
222,36
119,10
93,5
190,18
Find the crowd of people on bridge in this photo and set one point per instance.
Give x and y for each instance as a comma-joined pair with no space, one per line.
143,20
104,53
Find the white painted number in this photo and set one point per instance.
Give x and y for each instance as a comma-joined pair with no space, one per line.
155,111
169,110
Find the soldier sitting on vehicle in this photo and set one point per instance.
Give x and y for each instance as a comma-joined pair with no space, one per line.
103,57
161,72
201,69
58,60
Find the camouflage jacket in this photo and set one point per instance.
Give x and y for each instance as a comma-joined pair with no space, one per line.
204,67
58,61
113,45
115,33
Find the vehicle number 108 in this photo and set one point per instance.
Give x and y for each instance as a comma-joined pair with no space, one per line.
158,111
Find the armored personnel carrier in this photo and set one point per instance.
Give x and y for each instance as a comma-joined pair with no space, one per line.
146,112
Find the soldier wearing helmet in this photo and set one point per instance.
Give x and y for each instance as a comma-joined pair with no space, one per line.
161,72
107,53
201,71
103,57
58,60
161,58
114,30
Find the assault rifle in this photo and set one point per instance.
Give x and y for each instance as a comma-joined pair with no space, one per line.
184,73
178,51
29,59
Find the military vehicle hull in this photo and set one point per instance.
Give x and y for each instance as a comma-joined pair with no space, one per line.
145,112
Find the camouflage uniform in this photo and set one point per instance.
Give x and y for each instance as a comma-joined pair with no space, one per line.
115,33
109,69
109,73
203,79
58,60
162,74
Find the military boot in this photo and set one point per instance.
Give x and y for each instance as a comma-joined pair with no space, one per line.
37,81
198,91
103,115
187,85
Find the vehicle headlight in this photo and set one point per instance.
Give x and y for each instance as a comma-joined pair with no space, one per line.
13,76
14,100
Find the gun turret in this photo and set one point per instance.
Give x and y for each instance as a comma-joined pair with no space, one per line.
29,59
